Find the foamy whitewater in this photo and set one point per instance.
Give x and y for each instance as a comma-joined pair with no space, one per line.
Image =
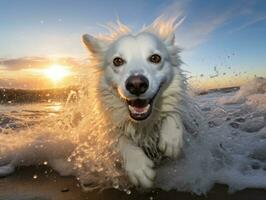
231,150
230,147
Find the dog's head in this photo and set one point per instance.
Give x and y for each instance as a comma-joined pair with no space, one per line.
137,66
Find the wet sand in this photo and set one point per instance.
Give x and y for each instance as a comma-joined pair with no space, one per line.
41,183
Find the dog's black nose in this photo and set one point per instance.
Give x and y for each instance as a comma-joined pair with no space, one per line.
137,84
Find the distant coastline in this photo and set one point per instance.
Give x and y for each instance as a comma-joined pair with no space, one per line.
222,90
12,95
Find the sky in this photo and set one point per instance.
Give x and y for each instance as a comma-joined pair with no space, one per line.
223,42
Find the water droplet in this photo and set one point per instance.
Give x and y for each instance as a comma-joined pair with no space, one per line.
115,186
65,190
45,162
35,176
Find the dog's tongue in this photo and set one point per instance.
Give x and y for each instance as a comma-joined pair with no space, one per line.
139,106
139,109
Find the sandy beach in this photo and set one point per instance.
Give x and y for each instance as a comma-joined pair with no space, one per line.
42,183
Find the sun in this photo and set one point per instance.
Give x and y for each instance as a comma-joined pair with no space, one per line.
56,72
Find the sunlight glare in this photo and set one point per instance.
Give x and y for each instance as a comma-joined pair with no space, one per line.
56,72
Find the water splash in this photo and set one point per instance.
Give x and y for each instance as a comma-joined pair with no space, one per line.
79,140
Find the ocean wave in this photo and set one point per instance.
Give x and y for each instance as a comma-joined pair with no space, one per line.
230,147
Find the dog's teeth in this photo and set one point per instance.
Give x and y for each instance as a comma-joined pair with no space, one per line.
135,111
147,108
131,108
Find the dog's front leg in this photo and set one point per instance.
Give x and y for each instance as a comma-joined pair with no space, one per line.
171,137
138,166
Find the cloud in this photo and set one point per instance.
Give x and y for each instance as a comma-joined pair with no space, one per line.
23,63
202,19
249,23
199,31
177,9
199,23
25,72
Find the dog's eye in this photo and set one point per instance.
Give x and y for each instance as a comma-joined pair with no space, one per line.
118,61
155,58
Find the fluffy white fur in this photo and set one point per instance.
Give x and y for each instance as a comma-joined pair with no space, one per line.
141,143
164,128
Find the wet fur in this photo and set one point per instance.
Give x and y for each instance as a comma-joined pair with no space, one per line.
172,106
150,135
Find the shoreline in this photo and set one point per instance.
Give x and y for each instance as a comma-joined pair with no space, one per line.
42,183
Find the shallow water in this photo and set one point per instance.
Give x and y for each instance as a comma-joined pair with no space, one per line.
50,186
230,150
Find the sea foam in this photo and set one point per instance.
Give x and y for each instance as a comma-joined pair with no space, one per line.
230,146
231,150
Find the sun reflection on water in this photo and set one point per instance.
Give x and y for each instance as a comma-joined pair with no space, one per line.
55,107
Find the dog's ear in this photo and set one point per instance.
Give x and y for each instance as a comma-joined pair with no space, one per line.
165,28
170,40
94,45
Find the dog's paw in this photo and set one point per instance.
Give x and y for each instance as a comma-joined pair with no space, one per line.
139,169
171,143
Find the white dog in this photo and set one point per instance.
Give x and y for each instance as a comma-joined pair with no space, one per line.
141,84
142,71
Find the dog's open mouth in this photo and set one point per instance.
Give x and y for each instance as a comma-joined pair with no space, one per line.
140,109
